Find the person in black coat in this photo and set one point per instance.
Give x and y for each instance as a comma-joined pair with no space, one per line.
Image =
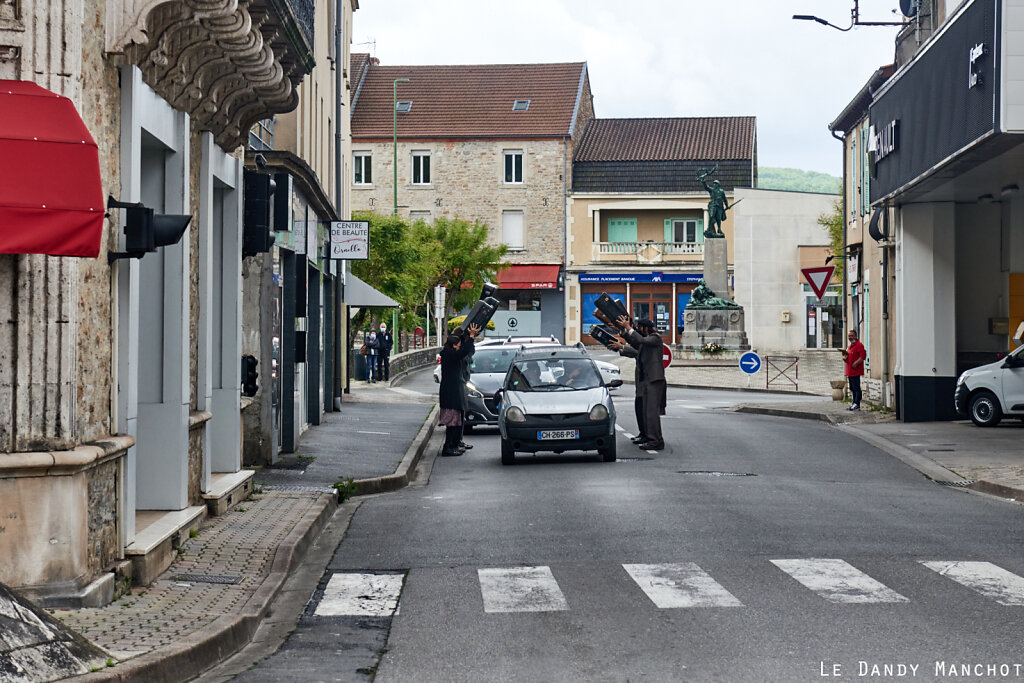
385,344
452,393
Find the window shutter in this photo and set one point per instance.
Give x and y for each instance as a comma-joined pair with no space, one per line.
865,176
669,237
622,230
700,230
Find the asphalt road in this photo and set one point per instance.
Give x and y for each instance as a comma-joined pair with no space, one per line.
753,549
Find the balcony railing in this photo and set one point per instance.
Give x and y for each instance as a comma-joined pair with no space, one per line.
304,12
646,252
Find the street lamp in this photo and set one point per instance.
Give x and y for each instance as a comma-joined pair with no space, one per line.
394,112
854,19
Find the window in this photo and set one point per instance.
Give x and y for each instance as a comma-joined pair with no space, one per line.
261,135
362,168
421,168
513,166
420,216
520,105
512,229
403,106
684,230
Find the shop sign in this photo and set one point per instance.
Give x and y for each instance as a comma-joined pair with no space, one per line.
884,141
640,277
350,240
974,77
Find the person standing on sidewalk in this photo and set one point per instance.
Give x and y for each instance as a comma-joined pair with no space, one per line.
452,393
385,342
854,356
647,341
372,352
625,349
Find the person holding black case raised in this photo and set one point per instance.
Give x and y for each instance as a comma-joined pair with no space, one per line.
647,342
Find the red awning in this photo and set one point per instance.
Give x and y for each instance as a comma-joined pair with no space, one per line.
529,276
51,196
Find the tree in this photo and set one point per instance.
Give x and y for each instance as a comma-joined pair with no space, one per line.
833,224
459,258
392,258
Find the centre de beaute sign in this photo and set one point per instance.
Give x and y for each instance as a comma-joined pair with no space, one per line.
350,240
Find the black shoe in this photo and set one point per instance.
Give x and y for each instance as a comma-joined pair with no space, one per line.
652,445
450,454
639,439
465,446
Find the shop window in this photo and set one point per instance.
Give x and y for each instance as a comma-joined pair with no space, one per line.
824,319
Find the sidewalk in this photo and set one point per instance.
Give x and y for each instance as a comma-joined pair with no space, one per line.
219,589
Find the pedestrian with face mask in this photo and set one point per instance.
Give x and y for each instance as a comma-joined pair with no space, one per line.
645,338
385,344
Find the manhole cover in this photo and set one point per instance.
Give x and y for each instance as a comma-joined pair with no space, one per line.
712,473
208,578
958,484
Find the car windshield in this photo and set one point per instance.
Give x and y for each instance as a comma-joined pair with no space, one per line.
492,360
553,374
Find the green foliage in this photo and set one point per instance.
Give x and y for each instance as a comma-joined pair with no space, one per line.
346,488
833,224
795,180
459,258
458,320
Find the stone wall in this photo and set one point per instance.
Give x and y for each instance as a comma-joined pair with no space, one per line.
411,360
104,542
195,465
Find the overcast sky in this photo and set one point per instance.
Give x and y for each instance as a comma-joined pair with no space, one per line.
652,58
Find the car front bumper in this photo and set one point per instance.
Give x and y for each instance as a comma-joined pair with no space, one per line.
481,411
594,434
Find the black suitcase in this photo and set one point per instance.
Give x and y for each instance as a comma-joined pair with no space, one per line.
610,309
603,335
481,313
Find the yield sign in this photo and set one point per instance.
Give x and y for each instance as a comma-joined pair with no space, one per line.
819,278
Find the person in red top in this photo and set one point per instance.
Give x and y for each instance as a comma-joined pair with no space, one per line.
854,357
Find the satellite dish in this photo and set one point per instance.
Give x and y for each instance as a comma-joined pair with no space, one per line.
909,7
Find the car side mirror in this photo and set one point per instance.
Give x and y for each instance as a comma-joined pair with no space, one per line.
614,383
498,393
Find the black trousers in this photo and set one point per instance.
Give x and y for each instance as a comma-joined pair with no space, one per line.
452,438
855,388
384,367
641,416
654,396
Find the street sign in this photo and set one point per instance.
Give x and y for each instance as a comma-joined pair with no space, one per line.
350,240
750,363
666,356
819,278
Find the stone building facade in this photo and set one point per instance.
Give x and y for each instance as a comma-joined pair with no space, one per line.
489,143
119,380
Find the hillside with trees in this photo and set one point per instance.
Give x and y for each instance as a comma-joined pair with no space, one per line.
795,180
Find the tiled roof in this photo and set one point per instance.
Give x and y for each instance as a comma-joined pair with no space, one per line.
658,177
469,100
668,139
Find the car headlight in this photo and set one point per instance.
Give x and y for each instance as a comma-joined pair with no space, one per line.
473,391
515,414
599,412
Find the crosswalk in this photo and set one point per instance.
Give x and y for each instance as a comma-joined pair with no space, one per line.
667,585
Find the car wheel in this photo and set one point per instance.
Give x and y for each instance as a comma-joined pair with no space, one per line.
508,454
608,453
985,410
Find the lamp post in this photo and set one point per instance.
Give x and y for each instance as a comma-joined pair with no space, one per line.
854,19
394,112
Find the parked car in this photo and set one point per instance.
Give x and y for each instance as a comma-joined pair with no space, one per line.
989,392
554,399
480,342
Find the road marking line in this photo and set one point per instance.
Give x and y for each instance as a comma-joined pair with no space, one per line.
521,589
620,428
986,578
382,433
838,581
680,585
361,595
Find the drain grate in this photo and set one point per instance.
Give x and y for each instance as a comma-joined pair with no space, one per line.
941,450
296,487
639,459
957,484
208,578
712,473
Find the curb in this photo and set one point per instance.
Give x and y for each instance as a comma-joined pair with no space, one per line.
193,654
782,412
999,490
400,479
748,389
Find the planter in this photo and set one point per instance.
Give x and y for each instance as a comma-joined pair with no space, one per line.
838,389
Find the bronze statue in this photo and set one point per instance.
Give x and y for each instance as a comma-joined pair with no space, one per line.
703,298
717,204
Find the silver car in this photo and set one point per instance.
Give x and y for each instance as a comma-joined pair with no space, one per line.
554,399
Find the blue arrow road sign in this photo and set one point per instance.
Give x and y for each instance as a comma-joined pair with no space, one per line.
750,363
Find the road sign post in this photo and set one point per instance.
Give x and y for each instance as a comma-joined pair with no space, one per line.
750,363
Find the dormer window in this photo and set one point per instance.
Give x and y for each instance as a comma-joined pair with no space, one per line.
403,106
520,105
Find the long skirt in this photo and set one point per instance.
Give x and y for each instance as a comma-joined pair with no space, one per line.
450,417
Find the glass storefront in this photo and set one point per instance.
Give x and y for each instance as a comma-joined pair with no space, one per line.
824,319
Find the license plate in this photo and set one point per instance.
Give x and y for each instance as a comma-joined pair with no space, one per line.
557,434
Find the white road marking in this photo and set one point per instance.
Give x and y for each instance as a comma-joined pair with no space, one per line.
361,595
984,577
680,585
382,433
521,589
620,428
838,581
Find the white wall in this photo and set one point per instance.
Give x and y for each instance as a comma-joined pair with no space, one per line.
768,226
1012,71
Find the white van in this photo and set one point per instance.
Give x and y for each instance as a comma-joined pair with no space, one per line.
989,392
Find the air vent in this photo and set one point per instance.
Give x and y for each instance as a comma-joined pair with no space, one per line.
520,105
403,106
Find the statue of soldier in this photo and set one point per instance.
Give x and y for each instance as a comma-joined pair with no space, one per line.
717,204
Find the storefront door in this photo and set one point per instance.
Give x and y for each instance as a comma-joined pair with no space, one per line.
654,302
824,320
